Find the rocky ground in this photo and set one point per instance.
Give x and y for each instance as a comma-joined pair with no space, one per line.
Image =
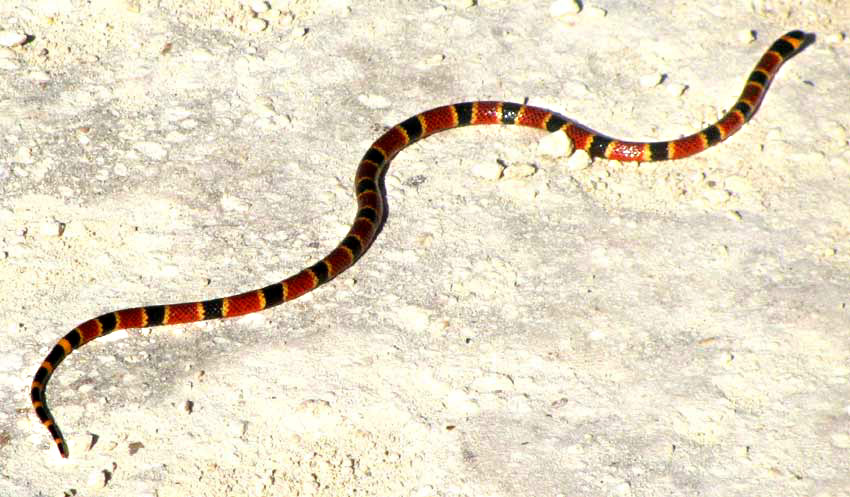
524,325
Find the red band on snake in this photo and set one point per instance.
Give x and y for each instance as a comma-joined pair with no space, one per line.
370,206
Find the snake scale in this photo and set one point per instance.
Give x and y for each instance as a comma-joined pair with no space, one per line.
371,214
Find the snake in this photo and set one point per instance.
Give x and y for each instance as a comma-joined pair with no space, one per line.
371,213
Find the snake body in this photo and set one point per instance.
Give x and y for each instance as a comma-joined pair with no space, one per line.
371,208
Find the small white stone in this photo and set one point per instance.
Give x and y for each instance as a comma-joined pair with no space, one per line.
39,76
650,80
12,38
487,170
561,8
255,25
746,36
98,478
578,161
834,38
83,135
555,144
52,228
623,488
594,11
314,407
676,89
24,156
263,106
734,215
260,6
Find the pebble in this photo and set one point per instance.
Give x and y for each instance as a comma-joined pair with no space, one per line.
91,440
834,38
598,12
623,488
260,6
734,215
650,80
39,76
561,8
12,38
746,36
24,155
555,144
487,170
578,161
255,25
98,478
676,89
263,106
52,228
314,407
83,135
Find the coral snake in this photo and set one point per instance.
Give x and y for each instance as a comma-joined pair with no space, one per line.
368,185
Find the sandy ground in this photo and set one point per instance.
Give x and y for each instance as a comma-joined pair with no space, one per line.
671,329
